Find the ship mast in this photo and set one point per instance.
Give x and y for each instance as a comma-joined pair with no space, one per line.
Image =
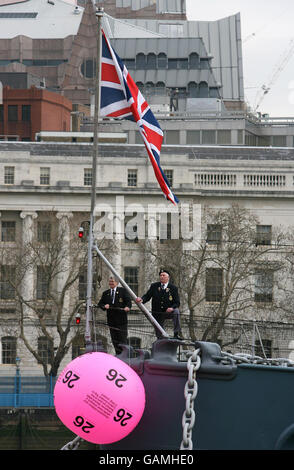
89,342
89,308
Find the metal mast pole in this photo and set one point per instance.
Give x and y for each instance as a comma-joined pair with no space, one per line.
89,312
91,245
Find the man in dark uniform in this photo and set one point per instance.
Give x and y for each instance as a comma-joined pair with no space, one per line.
117,303
165,302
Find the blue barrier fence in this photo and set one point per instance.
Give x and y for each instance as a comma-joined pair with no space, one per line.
21,392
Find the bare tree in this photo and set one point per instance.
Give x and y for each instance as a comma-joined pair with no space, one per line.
47,268
218,279
46,275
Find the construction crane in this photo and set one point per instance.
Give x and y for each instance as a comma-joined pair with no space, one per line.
278,69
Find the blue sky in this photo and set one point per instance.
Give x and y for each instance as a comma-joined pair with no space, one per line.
268,48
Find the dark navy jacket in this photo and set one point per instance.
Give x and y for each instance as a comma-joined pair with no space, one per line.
162,299
115,314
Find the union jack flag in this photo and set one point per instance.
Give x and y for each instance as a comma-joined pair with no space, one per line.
121,98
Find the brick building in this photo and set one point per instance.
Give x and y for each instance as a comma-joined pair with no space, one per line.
27,111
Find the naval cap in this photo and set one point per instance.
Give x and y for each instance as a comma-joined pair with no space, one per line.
164,271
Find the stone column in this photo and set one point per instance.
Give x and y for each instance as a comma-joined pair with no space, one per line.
65,255
27,238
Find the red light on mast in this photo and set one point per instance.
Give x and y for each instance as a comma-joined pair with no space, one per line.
81,232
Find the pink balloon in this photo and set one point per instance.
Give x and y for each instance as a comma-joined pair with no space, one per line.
99,398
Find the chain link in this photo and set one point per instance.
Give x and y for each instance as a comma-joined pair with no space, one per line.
72,445
190,393
243,358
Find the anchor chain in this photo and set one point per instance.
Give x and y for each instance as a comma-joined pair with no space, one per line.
72,445
190,393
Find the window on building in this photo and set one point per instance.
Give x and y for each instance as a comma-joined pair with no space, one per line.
193,91
7,275
141,61
140,85
8,231
1,113
204,63
9,175
162,61
208,137
134,342
224,137
160,89
12,112
131,276
183,64
172,63
263,348
149,88
130,63
138,138
82,288
194,61
45,175
240,137
8,350
263,285
45,349
42,283
170,176
264,141
250,139
279,141
214,234
87,176
165,228
193,137
44,231
214,285
263,234
203,90
172,137
132,177
88,68
26,112
151,61
83,285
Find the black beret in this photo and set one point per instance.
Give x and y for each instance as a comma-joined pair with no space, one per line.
164,271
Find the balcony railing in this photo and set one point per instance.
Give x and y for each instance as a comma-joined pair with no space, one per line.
22,392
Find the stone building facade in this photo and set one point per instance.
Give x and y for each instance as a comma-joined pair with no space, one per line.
42,178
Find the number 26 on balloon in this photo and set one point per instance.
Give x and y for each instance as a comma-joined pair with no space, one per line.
120,417
69,378
79,421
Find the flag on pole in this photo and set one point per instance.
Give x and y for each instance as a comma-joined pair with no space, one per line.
121,98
